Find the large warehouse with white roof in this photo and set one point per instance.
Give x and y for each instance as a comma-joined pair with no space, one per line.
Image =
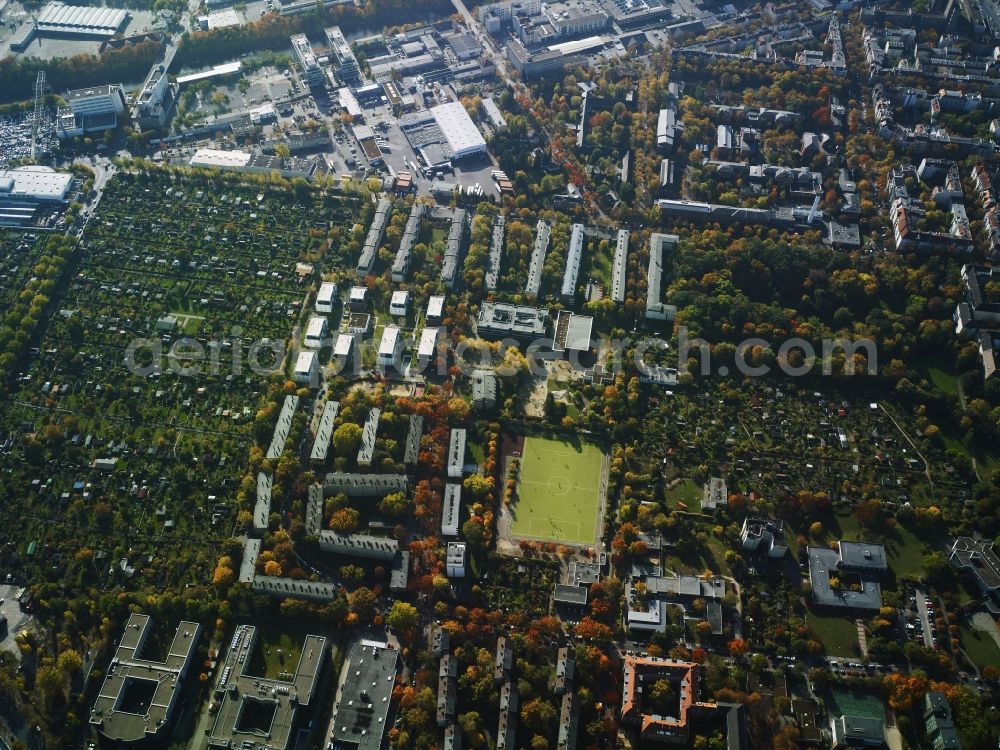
78,20
459,131
34,183
24,189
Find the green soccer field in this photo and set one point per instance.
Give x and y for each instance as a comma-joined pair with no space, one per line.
558,491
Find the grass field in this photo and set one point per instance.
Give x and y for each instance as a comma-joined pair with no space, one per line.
686,491
980,647
558,491
839,635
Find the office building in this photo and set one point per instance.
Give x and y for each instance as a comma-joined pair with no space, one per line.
361,715
345,64
137,699
312,73
260,713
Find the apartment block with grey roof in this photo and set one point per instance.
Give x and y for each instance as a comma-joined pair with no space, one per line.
136,702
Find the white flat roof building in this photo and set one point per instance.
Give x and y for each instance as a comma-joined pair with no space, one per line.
573,260
451,509
456,454
325,297
77,20
34,183
358,297
427,349
458,129
435,308
219,159
306,367
390,347
344,346
455,560
316,331
399,303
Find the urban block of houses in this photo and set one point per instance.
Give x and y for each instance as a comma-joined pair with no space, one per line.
565,670
447,692
411,454
364,485
451,509
507,725
456,454
640,673
282,426
658,246
484,389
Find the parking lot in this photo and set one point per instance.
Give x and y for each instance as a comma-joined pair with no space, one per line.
15,136
16,619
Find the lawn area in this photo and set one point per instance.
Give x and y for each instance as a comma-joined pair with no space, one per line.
277,650
685,491
980,647
839,635
941,379
558,491
711,556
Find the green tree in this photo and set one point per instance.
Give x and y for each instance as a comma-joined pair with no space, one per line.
538,715
346,439
403,617
393,505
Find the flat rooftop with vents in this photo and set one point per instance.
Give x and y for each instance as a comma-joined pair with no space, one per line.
257,712
361,713
847,578
136,701
498,320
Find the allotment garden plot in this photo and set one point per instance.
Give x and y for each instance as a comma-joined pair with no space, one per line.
559,487
119,457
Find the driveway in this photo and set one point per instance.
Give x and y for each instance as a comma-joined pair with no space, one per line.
925,619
